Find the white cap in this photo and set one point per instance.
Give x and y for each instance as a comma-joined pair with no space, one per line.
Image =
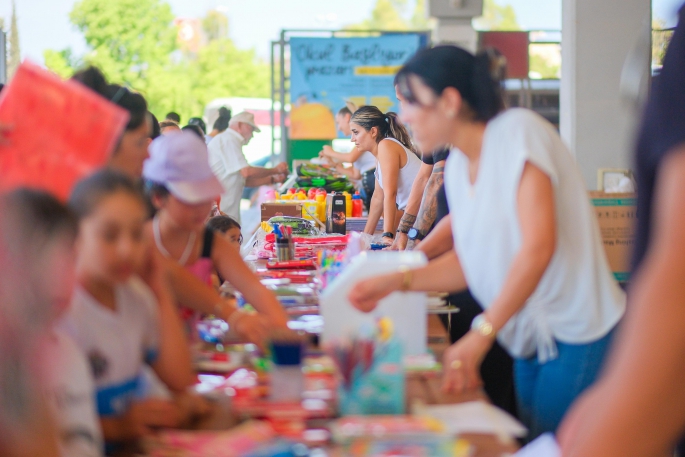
181,163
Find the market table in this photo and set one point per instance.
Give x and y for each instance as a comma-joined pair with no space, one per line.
420,388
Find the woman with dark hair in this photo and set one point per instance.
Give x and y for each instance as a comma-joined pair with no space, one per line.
131,150
386,138
221,123
526,241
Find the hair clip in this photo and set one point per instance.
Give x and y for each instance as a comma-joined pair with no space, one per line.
119,93
386,120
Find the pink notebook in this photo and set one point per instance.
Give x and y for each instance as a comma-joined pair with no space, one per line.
62,131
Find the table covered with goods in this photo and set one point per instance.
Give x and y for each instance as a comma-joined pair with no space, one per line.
340,382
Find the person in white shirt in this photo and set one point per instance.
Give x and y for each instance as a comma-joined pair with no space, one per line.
526,242
231,168
388,140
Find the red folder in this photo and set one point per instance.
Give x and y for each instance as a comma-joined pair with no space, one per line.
61,131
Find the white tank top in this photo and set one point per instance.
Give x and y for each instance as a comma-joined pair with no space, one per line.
406,178
365,162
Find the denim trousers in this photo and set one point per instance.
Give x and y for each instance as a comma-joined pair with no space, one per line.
545,391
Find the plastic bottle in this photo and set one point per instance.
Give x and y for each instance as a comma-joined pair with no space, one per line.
357,205
321,206
348,204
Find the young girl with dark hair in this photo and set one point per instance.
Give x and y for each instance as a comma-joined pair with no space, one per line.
119,319
526,241
386,138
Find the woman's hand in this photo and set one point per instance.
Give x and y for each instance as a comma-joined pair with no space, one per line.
462,362
365,295
399,243
327,151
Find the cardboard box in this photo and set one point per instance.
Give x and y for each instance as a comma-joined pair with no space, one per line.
617,217
281,208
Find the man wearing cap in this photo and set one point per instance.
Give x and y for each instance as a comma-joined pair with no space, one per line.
231,168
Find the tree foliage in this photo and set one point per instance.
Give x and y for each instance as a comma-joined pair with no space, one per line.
497,17
135,43
14,58
392,15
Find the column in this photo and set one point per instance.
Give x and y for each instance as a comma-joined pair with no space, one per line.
597,122
454,21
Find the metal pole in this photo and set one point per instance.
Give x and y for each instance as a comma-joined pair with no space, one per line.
3,58
273,102
284,139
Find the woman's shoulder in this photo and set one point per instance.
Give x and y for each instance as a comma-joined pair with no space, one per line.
518,118
390,145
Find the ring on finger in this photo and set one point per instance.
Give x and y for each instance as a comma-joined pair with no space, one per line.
456,364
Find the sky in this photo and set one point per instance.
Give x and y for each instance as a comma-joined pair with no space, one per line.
44,24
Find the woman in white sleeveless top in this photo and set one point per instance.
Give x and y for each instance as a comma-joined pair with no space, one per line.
386,138
526,241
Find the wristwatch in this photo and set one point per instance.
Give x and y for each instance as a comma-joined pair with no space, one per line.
388,235
483,326
415,234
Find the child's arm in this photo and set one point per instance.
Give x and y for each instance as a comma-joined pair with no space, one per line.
230,265
140,419
173,363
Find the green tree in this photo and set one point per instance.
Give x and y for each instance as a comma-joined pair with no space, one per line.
14,58
215,25
497,17
386,15
127,38
660,40
134,42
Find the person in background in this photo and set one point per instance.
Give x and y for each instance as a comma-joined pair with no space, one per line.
637,408
526,241
199,122
228,228
131,149
155,129
196,129
363,162
173,117
220,124
183,188
231,168
167,127
43,232
115,318
388,140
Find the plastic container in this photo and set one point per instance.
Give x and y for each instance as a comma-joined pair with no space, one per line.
287,380
321,206
348,204
357,205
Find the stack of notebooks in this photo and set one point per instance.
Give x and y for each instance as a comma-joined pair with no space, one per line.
357,224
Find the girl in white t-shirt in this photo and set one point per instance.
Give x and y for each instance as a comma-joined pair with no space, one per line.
118,320
386,138
526,242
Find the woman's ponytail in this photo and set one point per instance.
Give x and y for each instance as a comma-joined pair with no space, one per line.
489,70
398,131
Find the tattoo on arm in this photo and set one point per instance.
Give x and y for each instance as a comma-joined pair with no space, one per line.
429,203
406,222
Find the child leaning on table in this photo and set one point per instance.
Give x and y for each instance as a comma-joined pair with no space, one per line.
119,319
42,232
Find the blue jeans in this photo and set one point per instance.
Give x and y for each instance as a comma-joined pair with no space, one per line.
545,391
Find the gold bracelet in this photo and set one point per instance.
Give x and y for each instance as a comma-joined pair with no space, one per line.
406,278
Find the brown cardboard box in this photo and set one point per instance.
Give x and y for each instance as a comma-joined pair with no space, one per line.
617,217
281,208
